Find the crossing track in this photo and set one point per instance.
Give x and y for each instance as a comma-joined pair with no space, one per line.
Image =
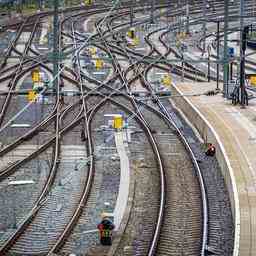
117,91
163,202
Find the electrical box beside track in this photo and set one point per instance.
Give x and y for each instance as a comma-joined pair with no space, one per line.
131,33
167,80
35,75
252,79
99,64
88,2
118,122
31,96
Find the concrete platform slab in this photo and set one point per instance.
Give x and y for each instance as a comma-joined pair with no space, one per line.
232,130
123,193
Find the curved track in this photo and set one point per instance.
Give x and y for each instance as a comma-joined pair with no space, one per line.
177,221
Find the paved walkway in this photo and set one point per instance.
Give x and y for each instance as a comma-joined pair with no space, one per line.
123,193
236,129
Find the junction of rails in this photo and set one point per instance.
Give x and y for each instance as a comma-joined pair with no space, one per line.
128,128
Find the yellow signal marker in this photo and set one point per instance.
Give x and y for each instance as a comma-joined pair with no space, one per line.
88,2
98,64
131,33
36,76
167,80
178,43
93,50
32,95
136,41
253,80
118,122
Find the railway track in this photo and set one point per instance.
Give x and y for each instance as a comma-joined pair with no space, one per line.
176,197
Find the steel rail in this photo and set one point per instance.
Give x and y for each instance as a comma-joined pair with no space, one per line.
12,84
203,193
155,149
50,179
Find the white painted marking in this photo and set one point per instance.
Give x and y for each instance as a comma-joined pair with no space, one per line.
161,73
21,182
123,192
20,125
99,73
90,231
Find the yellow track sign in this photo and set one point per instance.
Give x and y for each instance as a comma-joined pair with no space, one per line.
131,33
31,95
253,80
88,2
178,43
98,64
93,50
36,76
167,80
136,41
183,35
118,122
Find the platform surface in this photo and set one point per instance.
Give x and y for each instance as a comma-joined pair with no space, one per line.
123,193
236,128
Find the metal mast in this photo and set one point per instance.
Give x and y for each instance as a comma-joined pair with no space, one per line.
240,35
204,25
131,14
152,10
55,44
187,18
241,27
243,34
225,57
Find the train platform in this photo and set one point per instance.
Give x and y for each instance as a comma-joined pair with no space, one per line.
123,193
233,131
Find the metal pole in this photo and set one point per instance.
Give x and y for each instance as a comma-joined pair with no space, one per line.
242,67
209,69
187,14
241,13
131,14
152,10
231,71
182,64
218,53
225,57
204,26
55,44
